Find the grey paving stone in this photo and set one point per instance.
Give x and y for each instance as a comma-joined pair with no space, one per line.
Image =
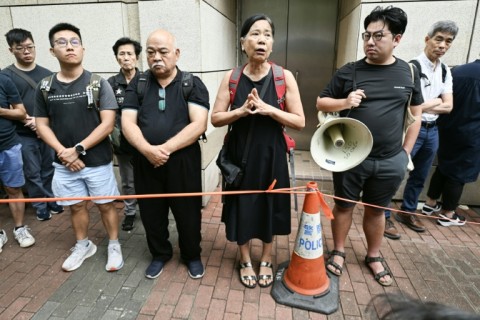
46,311
80,312
121,299
115,285
67,305
100,306
111,315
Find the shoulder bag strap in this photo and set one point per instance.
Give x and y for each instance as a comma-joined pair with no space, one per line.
23,76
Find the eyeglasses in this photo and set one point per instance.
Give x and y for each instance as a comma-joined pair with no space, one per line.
62,42
30,48
162,103
377,36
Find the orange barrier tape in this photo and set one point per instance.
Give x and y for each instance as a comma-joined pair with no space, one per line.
324,206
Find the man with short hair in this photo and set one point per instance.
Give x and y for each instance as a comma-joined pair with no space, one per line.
165,128
374,90
37,155
436,84
76,126
127,52
11,164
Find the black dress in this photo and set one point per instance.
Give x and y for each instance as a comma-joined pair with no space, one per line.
259,215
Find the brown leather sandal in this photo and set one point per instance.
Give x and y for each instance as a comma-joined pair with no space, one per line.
332,263
381,274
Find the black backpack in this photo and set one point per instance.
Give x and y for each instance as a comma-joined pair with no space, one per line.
423,75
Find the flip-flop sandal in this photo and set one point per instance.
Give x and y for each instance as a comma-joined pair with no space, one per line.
332,263
266,277
381,274
245,279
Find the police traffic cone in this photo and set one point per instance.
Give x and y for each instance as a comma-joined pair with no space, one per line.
303,282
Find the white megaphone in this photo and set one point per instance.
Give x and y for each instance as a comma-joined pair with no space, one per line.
340,143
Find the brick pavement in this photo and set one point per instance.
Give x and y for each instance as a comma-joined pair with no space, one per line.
442,264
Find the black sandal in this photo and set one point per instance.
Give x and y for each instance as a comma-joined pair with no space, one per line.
381,274
266,277
245,279
332,263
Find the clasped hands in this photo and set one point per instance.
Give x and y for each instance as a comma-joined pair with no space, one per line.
157,155
254,104
69,158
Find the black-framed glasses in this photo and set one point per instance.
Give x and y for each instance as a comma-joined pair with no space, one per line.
162,102
377,36
30,48
62,42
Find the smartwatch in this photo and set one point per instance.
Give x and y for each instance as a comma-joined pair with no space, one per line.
80,149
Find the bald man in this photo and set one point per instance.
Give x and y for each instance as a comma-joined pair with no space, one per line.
164,127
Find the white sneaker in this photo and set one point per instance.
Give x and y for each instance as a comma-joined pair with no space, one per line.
3,239
23,236
78,255
115,258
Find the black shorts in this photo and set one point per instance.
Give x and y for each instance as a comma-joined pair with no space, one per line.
379,179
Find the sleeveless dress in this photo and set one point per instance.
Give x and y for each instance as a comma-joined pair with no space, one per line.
259,216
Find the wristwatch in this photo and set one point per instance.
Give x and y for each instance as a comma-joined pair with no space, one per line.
80,149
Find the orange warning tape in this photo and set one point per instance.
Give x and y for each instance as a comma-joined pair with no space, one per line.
324,206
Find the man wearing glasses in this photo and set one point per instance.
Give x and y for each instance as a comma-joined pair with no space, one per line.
436,84
165,128
374,90
77,128
37,155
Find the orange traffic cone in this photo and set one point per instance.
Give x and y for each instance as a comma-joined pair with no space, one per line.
303,282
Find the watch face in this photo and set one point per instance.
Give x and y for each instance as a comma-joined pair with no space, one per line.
80,149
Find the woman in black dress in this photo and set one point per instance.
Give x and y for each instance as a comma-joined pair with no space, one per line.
258,216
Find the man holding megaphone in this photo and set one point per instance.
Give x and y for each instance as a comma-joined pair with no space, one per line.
376,91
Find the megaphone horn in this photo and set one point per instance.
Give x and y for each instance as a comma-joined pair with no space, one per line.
340,143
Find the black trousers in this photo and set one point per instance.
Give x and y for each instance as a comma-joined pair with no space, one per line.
448,189
181,173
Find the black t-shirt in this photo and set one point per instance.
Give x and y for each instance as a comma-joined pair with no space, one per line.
72,120
158,126
119,85
27,92
8,95
387,89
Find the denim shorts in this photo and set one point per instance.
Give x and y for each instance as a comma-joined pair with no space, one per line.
11,167
375,181
89,182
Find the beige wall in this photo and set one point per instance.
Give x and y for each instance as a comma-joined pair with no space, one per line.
205,31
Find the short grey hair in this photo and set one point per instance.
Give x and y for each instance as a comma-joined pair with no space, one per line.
446,26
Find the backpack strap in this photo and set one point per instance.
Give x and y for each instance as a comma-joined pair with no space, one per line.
419,68
143,80
46,85
93,91
444,72
233,82
280,85
187,87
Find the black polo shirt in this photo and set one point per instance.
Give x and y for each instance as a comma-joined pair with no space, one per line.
158,126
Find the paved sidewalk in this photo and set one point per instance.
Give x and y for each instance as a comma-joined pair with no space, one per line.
442,264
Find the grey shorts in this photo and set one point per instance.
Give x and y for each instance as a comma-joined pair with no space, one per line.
377,179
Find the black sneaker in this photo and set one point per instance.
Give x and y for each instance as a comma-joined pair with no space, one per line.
195,269
43,215
427,210
55,208
127,223
456,220
154,269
